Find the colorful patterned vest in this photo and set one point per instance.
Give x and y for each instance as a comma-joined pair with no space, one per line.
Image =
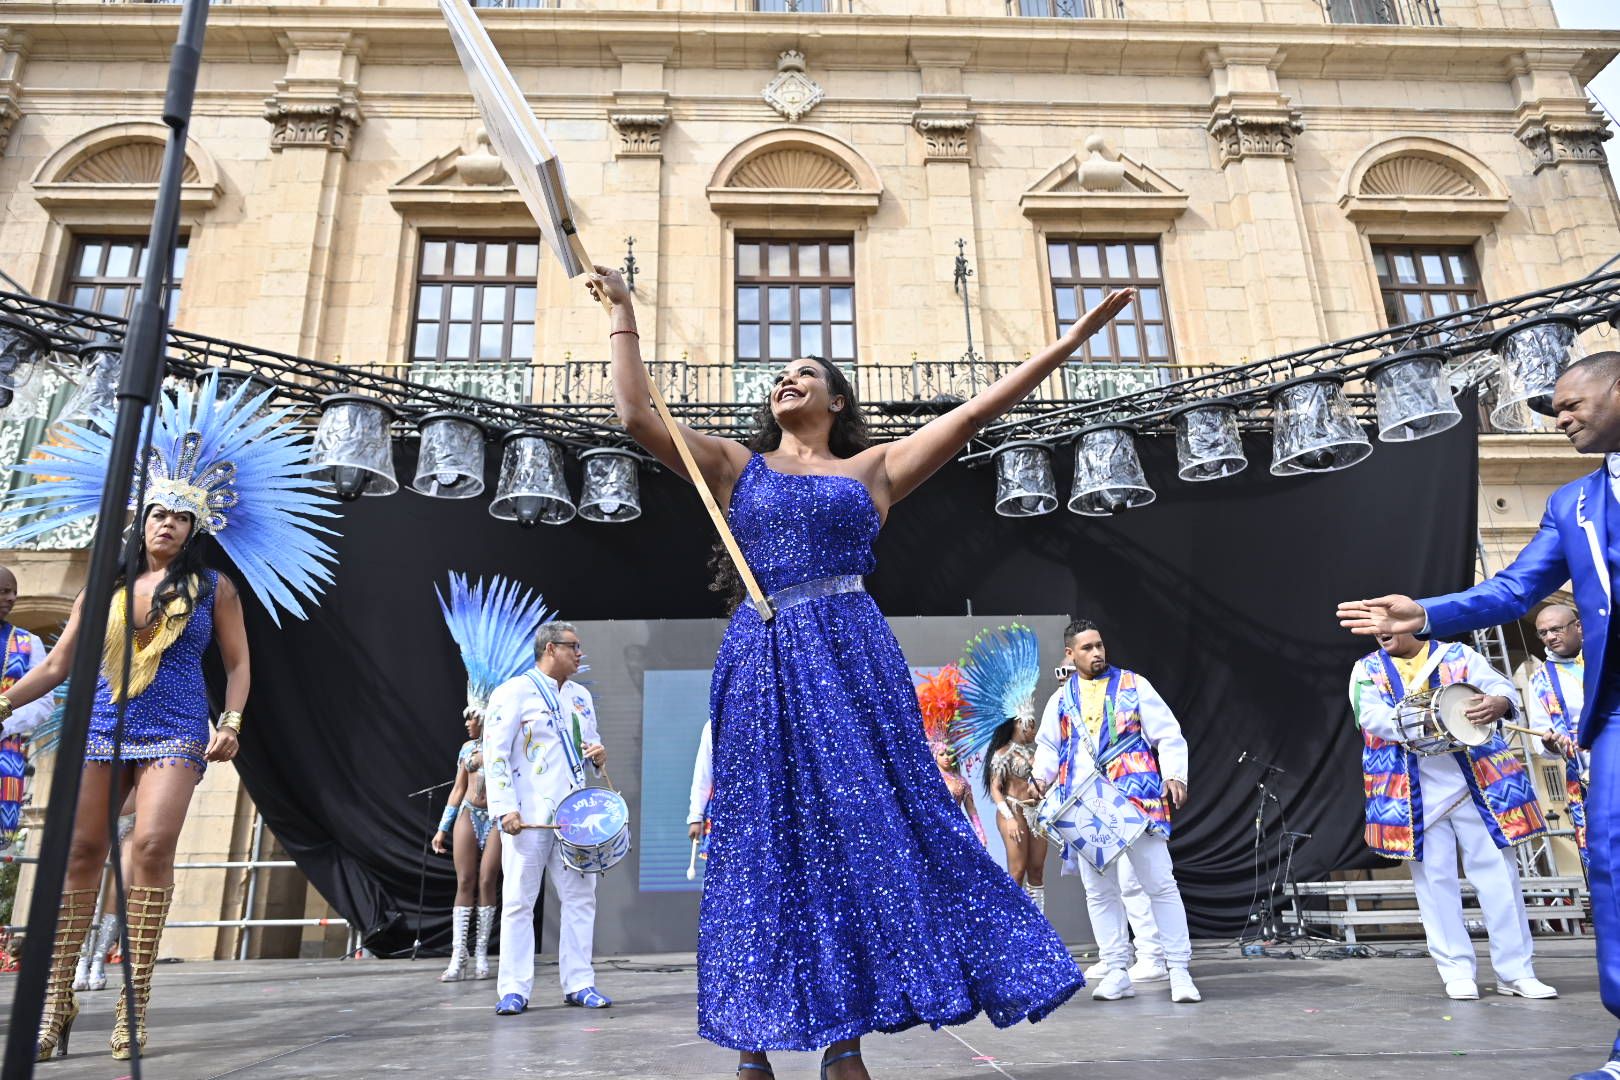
1548,685
1497,780
13,755
1124,755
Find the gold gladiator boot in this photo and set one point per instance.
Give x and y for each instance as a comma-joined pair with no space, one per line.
61,1008
148,909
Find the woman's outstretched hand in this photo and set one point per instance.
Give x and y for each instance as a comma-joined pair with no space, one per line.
608,282
1099,316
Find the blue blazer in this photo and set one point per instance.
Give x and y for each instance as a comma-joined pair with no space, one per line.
1576,544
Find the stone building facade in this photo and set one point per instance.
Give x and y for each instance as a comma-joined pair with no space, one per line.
1281,172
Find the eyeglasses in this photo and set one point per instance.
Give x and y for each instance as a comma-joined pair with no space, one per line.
1551,630
576,646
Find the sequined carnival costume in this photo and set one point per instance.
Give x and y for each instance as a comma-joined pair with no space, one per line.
241,473
845,892
939,697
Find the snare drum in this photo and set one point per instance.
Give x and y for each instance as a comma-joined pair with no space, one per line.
1096,821
593,829
1434,720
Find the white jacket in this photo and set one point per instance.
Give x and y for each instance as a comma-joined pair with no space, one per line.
526,763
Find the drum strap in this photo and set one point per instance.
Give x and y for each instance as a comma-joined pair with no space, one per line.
1425,674
571,752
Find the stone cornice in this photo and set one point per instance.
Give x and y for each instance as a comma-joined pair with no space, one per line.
88,31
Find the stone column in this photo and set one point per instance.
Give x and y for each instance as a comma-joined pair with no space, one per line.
13,56
944,121
1565,133
1254,127
314,116
633,194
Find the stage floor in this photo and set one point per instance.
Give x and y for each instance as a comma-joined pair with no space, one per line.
1306,1018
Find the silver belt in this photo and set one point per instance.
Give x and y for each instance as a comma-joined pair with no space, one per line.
815,589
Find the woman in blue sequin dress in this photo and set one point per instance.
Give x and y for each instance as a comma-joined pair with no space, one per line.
181,607
845,892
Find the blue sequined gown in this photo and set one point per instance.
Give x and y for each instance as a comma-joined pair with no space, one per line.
845,892
167,723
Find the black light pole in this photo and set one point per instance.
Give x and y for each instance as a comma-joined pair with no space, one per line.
142,378
960,284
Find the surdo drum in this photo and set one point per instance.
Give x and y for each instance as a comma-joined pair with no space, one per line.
1434,720
593,829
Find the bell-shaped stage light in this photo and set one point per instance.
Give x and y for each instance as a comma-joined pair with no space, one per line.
1413,395
1533,354
233,379
450,463
98,372
353,451
22,358
1108,475
1025,486
612,491
532,490
1313,429
1208,444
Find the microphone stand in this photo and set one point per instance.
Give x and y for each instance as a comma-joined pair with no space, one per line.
421,880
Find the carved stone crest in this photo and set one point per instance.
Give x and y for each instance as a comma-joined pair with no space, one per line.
1555,144
946,136
1268,133
8,116
640,134
329,123
792,93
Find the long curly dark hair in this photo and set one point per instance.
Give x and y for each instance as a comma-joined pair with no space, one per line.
848,437
1002,736
185,579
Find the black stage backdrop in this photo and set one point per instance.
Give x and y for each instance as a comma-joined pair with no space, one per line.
1222,593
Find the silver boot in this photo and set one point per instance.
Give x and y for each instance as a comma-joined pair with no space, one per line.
457,969
486,923
106,935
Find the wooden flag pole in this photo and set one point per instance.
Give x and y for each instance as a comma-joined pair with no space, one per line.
531,162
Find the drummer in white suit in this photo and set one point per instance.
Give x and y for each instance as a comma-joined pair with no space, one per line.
1115,717
697,812
539,730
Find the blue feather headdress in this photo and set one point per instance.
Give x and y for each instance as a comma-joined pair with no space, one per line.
242,474
1000,670
495,628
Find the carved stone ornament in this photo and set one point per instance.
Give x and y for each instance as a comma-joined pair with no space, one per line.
9,112
1245,135
329,124
792,93
640,134
946,137
480,167
1557,144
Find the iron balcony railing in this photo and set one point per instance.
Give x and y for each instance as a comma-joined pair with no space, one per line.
1067,9
1383,12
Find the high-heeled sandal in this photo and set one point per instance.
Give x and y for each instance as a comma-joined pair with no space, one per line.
766,1069
829,1062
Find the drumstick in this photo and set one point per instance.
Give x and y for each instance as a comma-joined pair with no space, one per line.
691,867
526,825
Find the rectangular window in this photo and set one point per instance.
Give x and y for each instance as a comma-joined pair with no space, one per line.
791,5
1384,12
1552,777
475,300
795,298
1085,271
1425,282
106,271
1069,9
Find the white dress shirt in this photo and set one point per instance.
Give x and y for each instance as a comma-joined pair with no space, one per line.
526,765
702,777
1159,727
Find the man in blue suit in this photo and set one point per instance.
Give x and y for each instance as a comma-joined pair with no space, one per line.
1579,542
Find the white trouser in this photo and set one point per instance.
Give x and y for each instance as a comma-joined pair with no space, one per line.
1495,878
1139,910
1150,860
523,857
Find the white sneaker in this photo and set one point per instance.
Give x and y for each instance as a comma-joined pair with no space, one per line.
1182,989
1526,988
1115,985
1148,970
1098,970
1462,990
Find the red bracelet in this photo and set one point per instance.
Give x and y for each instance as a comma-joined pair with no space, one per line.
616,333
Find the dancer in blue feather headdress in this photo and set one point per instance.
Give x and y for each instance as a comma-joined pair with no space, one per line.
218,465
1000,669
495,629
